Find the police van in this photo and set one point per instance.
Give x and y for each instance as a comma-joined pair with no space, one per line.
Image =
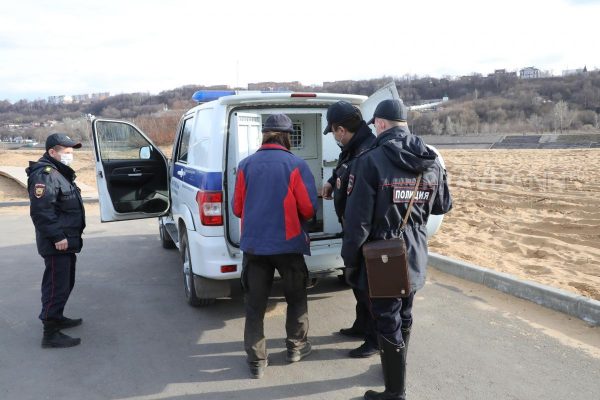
191,193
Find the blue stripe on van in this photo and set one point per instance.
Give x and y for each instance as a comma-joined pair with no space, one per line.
199,179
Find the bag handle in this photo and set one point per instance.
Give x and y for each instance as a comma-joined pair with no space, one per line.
412,199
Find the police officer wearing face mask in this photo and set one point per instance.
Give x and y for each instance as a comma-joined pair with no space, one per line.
59,219
353,136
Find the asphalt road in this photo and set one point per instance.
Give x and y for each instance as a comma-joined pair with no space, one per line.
141,341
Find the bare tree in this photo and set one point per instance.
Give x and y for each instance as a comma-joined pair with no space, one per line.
563,118
537,123
437,128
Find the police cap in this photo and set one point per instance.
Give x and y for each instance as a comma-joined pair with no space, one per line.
61,139
391,109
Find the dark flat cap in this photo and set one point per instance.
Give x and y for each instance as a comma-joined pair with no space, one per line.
339,112
278,123
391,109
61,139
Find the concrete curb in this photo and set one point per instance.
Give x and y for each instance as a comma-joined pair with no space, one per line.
556,299
26,202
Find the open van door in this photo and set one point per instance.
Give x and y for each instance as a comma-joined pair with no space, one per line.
131,172
367,108
245,137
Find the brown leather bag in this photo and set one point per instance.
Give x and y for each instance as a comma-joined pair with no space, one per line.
387,263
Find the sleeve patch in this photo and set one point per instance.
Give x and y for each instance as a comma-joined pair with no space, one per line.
47,169
39,190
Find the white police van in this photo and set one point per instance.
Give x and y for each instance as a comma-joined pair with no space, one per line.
191,193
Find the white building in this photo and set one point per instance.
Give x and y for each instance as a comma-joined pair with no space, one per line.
530,73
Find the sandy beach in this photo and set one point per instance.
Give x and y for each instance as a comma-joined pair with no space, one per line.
531,213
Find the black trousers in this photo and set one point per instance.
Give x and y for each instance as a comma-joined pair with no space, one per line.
257,279
364,319
57,284
391,315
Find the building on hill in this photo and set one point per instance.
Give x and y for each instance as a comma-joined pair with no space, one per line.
275,86
579,71
56,99
99,96
81,98
502,72
530,73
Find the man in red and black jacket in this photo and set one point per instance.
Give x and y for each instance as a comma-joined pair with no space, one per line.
275,196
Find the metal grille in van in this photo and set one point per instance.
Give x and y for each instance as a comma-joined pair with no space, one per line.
296,137
244,118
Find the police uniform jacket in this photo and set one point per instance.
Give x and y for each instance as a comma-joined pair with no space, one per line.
379,190
362,140
56,206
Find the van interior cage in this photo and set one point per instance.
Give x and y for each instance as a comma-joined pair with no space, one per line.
296,138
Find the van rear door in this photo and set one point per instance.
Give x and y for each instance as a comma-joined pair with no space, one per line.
131,172
244,138
367,108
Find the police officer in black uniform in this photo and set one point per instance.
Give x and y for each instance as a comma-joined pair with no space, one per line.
59,219
378,197
354,136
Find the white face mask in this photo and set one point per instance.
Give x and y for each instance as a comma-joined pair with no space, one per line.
66,158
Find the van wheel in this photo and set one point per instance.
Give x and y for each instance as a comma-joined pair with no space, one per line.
188,277
165,238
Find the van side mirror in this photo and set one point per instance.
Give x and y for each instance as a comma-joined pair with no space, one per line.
145,152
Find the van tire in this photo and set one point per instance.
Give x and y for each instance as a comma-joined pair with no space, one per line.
189,285
165,238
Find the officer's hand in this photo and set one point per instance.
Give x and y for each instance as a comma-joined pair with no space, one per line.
62,245
327,191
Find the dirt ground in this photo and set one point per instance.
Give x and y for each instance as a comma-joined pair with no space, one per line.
531,213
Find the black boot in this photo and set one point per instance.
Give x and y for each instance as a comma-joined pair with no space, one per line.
65,322
365,350
393,361
353,331
53,337
405,336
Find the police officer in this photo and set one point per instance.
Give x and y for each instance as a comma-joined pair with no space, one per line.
59,219
374,213
353,136
275,196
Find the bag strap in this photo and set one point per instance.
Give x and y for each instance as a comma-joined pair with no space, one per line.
412,199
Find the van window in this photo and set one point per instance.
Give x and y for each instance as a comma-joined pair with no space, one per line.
119,141
184,141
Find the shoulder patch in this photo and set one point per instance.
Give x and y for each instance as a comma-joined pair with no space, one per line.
39,190
47,169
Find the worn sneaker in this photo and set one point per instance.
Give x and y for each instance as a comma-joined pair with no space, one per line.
298,354
258,370
363,351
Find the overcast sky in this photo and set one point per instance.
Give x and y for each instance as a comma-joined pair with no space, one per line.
66,47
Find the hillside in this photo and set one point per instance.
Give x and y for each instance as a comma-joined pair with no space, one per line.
498,103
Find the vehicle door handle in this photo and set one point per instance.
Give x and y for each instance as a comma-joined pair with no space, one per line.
138,174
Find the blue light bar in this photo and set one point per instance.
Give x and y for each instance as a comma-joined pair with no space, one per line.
202,96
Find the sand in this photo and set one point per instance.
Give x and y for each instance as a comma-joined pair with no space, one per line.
530,213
